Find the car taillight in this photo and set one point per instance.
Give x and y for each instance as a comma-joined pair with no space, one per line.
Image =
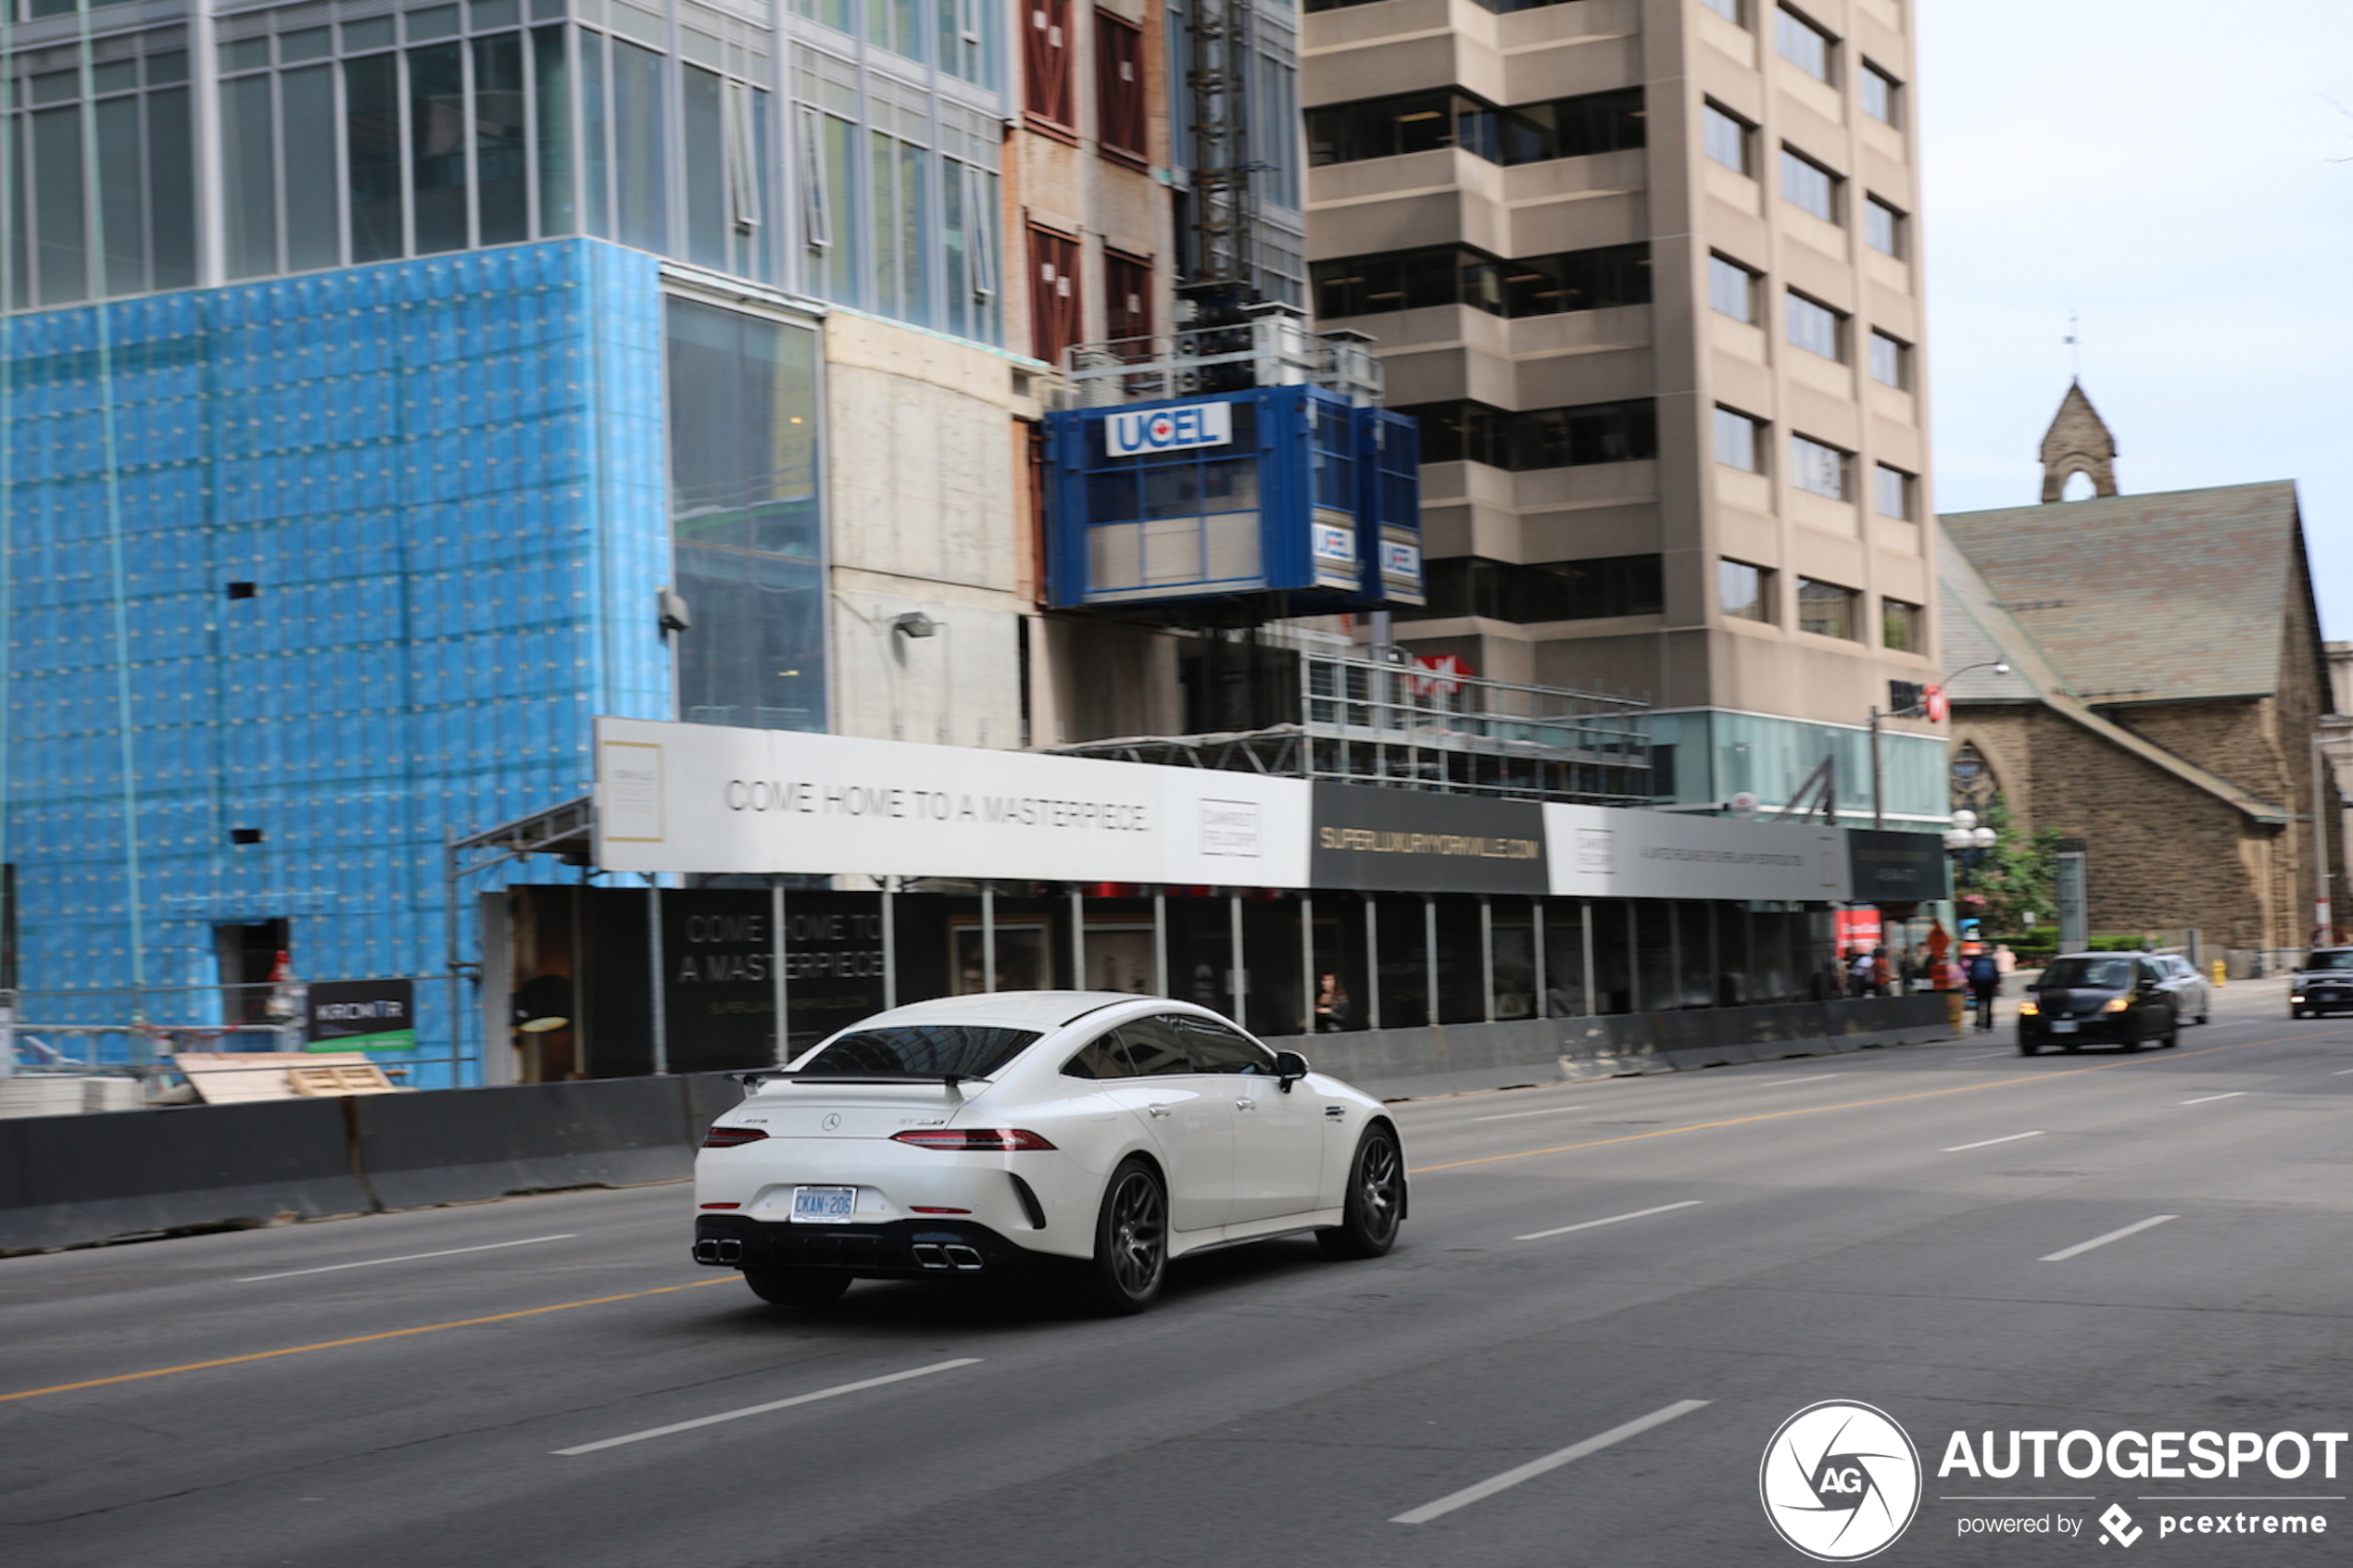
994,1140
729,1137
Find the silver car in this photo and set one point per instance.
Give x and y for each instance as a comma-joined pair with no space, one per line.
2194,1000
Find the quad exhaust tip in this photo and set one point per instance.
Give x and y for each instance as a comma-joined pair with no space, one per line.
719,1249
955,1257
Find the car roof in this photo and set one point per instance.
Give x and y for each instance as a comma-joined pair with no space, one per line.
1043,1011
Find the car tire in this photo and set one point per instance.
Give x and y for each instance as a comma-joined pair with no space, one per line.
1374,1204
2295,1012
797,1287
2027,1047
1130,1263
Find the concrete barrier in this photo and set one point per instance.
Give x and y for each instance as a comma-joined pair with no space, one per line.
1461,1058
66,1181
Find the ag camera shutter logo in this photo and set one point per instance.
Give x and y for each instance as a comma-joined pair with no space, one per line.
1133,433
1840,1481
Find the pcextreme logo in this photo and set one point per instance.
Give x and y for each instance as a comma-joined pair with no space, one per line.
1840,1481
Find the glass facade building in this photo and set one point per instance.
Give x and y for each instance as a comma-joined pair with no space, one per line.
367,368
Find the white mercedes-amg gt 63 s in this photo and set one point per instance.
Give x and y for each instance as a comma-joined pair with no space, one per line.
1102,1131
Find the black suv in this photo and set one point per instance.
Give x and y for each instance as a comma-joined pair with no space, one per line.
2324,984
2100,998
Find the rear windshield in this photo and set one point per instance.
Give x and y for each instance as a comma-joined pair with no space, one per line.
2114,974
932,1049
2333,958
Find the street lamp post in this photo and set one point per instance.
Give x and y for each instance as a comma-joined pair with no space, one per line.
1913,711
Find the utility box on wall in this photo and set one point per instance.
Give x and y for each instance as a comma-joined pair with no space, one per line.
1285,490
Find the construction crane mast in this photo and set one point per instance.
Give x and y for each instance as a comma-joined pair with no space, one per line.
1223,53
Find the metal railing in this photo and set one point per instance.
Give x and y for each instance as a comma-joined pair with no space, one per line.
1409,726
1275,345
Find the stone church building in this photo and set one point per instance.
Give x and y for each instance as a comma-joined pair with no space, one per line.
2166,683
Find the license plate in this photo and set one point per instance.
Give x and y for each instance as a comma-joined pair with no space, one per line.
2056,1029
824,1206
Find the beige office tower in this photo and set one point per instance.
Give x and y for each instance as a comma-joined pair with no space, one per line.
1649,270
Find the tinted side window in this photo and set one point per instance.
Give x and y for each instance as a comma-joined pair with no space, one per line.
1099,1058
1216,1049
1155,1048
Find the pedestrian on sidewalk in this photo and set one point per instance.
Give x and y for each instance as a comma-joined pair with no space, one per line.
1984,984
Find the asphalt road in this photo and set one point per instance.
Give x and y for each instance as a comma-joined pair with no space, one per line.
1696,1256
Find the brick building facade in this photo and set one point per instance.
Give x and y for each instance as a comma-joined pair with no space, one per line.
2165,687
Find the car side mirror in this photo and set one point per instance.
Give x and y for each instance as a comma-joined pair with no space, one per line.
1291,1067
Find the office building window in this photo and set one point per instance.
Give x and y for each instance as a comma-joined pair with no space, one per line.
1119,87
1818,468
1408,280
1807,184
1744,592
1882,95
1728,9
1727,138
1825,608
1732,289
1045,63
1427,121
1892,489
742,424
1902,627
1802,43
1411,122
1891,361
1127,297
1537,438
1594,122
1740,441
1599,279
1883,227
1815,327
1541,591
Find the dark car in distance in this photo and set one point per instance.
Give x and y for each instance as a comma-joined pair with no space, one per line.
2324,984
2098,999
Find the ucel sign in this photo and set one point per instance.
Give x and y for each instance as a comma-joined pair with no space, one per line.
1168,430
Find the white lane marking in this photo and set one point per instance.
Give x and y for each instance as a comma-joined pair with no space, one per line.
2064,1253
2209,1099
1980,1056
1588,1225
1989,1142
1536,1467
1509,1115
408,1257
771,1405
1777,1083
2341,1071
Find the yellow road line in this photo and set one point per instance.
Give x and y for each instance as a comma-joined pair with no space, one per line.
357,1340
1856,1104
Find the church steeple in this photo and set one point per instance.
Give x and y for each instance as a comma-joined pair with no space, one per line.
2078,442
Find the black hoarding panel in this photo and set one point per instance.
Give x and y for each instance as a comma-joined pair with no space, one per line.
1896,867
1418,840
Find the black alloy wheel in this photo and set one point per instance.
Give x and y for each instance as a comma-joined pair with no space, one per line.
797,1287
1376,1200
1131,1241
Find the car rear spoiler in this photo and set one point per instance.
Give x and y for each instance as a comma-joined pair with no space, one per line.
758,1076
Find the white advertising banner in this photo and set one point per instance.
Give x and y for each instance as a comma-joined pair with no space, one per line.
700,797
1600,852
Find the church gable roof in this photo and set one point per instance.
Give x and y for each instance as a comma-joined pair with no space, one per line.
2147,599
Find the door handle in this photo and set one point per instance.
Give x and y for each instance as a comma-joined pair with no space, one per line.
1157,1109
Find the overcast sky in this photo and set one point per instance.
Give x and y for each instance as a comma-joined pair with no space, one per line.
2165,168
